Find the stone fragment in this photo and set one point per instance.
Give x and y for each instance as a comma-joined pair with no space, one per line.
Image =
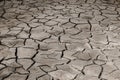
23,34
51,23
97,46
5,72
115,75
112,53
56,46
23,25
68,68
24,61
25,17
33,10
9,15
99,38
67,25
82,55
49,11
72,31
69,54
13,42
25,52
14,32
22,71
47,61
55,55
34,24
41,36
83,27
62,75
92,70
47,68
41,15
59,7
79,64
31,44
81,35
109,12
43,20
87,77
75,46
79,10
35,72
67,39
78,21
55,31
11,63
93,53
90,1
16,76
99,62
113,37
50,17
108,69
97,27
117,63
61,19
7,53
46,77
102,57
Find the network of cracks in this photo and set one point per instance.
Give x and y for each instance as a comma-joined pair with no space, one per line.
59,40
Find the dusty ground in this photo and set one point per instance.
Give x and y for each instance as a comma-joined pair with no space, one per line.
60,40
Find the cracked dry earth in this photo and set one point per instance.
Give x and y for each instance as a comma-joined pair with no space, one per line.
60,40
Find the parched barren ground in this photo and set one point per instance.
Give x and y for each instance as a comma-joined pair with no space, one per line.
60,40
